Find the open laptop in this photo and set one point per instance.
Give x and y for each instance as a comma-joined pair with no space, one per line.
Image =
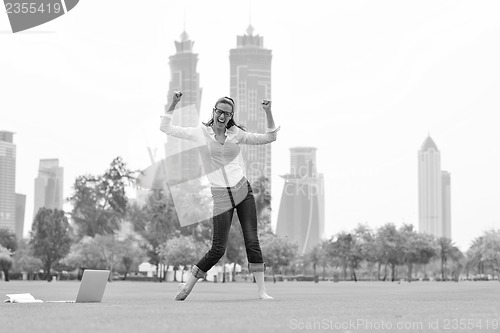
91,287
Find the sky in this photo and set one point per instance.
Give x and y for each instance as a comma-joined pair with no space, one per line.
365,82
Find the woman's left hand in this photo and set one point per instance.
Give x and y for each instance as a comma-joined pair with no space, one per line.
266,105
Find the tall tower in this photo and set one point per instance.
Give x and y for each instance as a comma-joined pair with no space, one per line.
20,209
433,195
7,181
49,185
250,83
301,214
446,201
183,164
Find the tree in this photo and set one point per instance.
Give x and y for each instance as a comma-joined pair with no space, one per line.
277,251
491,249
390,247
25,260
318,256
349,252
8,239
366,246
182,251
5,262
417,248
262,197
85,254
100,202
104,252
447,250
131,256
155,222
50,237
192,201
474,256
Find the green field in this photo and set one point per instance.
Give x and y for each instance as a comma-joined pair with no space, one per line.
233,307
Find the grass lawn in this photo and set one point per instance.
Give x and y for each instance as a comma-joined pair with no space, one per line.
234,307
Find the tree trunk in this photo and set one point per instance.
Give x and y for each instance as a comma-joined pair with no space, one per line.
47,276
379,264
324,272
393,272
442,268
110,277
6,275
410,269
175,274
234,272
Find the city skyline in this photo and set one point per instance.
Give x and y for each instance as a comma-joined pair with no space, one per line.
361,81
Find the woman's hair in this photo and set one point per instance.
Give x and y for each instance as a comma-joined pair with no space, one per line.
229,101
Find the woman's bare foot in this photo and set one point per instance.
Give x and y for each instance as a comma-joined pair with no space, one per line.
182,294
264,295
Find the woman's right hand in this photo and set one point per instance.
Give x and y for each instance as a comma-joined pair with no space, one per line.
177,97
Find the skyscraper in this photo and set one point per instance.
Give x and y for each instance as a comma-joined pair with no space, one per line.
301,214
49,185
7,181
182,163
433,195
20,209
446,202
250,83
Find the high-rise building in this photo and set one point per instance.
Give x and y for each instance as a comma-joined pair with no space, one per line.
446,201
301,215
20,209
433,196
7,181
49,185
250,83
183,162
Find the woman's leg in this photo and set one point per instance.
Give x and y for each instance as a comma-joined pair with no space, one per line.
247,215
220,232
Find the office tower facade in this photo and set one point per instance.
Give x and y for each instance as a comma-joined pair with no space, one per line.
250,83
20,210
434,206
301,215
7,181
182,162
49,186
446,203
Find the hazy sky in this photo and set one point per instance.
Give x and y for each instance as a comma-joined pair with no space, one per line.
363,81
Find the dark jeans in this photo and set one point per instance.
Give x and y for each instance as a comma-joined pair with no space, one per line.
239,197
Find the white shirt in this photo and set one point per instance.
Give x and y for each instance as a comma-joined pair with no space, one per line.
223,163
